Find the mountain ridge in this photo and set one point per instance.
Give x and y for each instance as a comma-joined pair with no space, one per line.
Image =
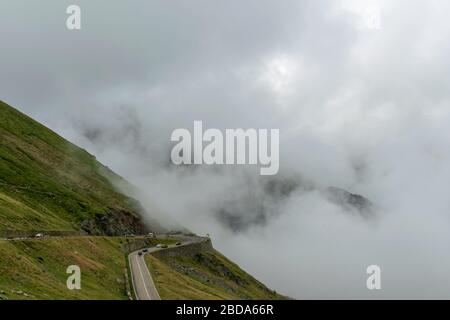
49,183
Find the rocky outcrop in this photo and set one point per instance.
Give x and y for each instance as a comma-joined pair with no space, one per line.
115,223
350,201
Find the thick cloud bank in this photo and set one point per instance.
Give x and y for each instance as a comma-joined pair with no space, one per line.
360,93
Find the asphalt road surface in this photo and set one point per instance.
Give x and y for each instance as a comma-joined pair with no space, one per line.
142,281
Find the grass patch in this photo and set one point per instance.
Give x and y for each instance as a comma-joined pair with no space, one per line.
36,269
48,183
205,276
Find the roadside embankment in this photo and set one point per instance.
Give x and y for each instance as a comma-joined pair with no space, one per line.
190,249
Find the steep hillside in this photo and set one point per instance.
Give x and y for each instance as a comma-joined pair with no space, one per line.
36,269
204,276
48,183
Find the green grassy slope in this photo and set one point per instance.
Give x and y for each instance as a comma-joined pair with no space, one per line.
36,269
205,276
48,183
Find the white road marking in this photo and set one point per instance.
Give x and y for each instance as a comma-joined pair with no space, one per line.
142,276
137,260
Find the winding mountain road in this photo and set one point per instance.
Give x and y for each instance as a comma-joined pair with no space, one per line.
142,281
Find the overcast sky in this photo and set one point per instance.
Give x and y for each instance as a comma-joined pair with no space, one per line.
360,91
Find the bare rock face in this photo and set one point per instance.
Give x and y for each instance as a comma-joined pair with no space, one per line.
258,203
115,223
350,201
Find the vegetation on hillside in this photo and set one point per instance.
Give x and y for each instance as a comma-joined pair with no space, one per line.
36,269
48,183
205,276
